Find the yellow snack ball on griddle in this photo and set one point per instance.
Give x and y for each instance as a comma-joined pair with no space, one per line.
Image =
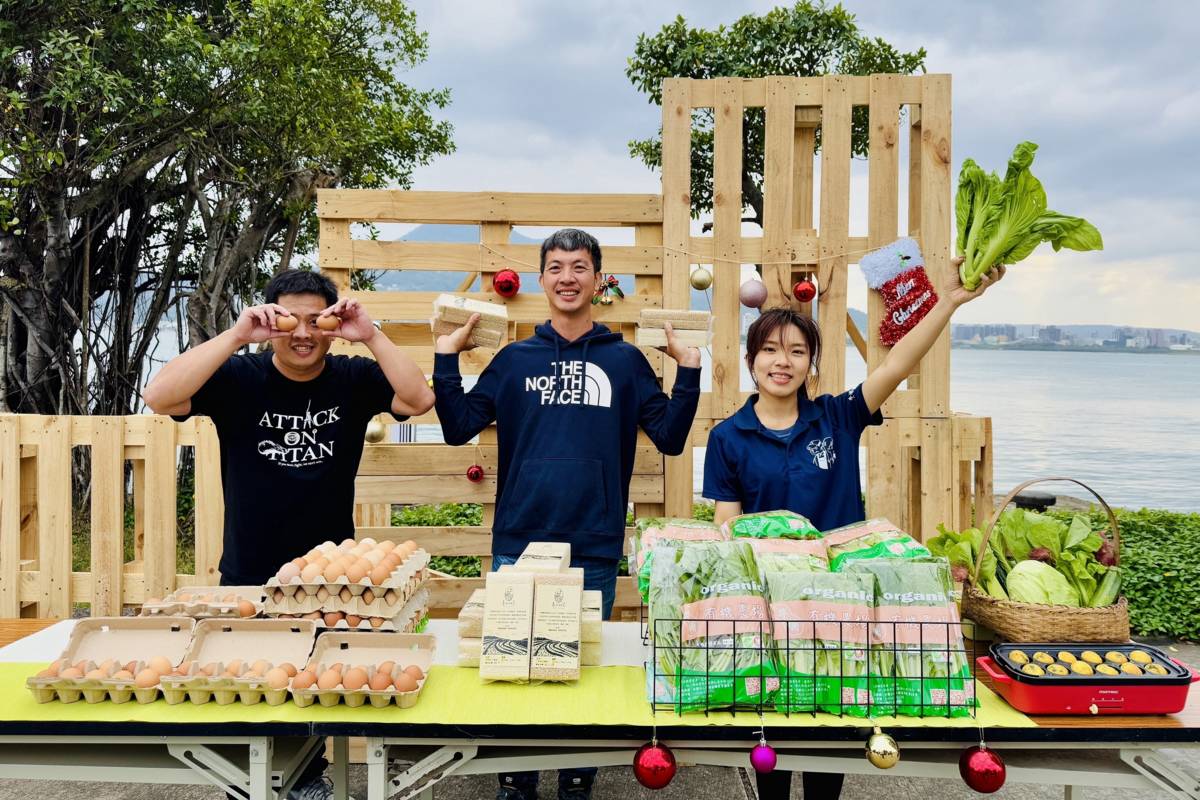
1091,657
1066,657
1107,669
1057,669
1043,658
1114,657
1018,657
1082,668
1131,669
1033,669
1140,656
1156,669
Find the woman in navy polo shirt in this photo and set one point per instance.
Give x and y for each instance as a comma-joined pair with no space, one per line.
784,450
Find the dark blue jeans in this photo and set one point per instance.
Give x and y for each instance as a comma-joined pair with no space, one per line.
599,575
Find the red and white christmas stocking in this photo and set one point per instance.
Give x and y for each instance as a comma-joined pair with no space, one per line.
897,272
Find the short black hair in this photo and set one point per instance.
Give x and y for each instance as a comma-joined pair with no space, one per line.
301,281
570,239
775,319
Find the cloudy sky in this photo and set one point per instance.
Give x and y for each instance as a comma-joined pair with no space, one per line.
540,102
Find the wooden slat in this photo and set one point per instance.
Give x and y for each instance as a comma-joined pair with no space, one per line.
417,306
446,541
834,230
938,472
108,514
457,489
808,91
727,240
10,514
936,216
468,208
456,257
161,526
139,506
779,174
440,459
983,476
54,516
209,505
677,215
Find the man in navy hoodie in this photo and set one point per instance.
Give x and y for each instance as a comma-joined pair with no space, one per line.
567,403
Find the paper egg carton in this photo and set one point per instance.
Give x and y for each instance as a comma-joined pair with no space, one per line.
366,602
224,641
200,602
370,649
405,579
405,620
123,641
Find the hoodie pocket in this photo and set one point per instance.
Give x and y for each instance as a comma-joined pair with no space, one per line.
556,494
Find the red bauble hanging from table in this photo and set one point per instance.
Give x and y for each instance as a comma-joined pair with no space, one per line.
506,282
763,757
475,473
654,765
804,291
982,769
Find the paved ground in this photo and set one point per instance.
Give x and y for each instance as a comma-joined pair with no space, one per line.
617,783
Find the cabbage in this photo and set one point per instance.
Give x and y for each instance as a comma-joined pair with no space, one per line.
1038,582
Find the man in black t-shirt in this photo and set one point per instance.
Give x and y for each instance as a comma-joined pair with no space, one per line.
291,422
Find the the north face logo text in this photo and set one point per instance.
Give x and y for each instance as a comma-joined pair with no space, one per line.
575,383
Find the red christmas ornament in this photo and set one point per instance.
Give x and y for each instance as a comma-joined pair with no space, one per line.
982,769
654,765
804,291
475,473
762,757
506,282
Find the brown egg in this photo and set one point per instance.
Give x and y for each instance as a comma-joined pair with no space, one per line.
184,597
368,541
405,683
73,673
96,675
329,679
185,668
146,678
333,572
46,673
233,669
416,672
381,573
311,556
246,608
107,664
393,559
353,620
313,615
300,596
122,675
82,665
277,678
376,621
161,665
286,322
230,598
323,561
277,596
304,679
354,679
357,571
288,572
209,669
380,681
410,544
348,542
339,666
374,558
345,595
151,601
55,667
204,598
130,666
390,597
322,594
387,545
302,562
368,597
289,668
311,572
333,618
260,667
387,666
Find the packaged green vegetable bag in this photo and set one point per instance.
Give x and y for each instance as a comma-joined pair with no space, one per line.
770,525
652,531
875,538
789,555
709,622
917,637
821,634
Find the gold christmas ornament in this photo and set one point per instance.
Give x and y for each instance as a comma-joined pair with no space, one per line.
376,430
882,750
701,279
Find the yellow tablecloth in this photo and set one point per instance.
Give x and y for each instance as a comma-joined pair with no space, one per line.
454,696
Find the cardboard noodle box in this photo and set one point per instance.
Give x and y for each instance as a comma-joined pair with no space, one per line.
451,312
470,618
545,557
507,627
557,608
692,328
468,653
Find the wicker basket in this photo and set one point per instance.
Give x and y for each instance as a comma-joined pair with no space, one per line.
1035,622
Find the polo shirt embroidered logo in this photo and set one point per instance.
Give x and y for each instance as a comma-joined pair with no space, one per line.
823,454
576,383
300,446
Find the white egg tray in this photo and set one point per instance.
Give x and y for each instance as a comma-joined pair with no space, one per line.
349,598
96,640
222,641
404,621
184,602
367,648
399,578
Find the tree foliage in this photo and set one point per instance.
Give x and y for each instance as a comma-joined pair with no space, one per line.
806,40
161,157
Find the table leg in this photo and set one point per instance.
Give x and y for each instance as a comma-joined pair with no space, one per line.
341,767
376,769
260,768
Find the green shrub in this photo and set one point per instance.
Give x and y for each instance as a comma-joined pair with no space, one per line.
1160,569
445,515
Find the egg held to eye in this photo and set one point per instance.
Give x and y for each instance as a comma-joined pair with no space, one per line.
328,322
287,323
